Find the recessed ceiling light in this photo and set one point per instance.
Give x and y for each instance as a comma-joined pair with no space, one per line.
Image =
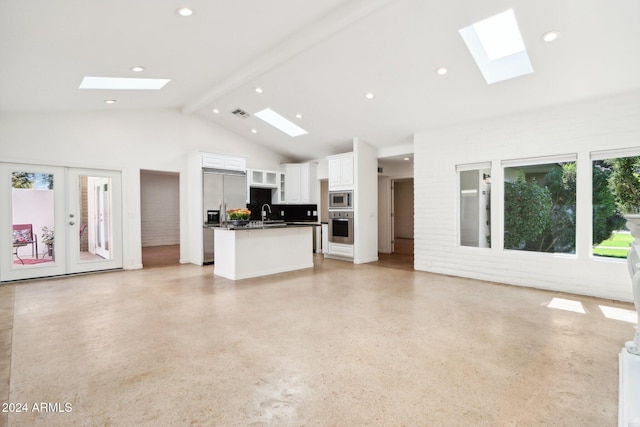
441,71
137,69
110,101
254,131
280,123
406,158
298,116
122,83
216,111
369,95
184,11
258,90
550,36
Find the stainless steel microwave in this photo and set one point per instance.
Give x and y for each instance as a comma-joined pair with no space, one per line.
341,200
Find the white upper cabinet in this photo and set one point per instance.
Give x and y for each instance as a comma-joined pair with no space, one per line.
219,161
340,172
263,179
301,183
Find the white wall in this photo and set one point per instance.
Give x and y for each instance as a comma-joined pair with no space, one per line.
160,208
396,169
127,141
365,224
580,128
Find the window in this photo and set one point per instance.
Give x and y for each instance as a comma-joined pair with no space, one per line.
475,206
612,183
540,206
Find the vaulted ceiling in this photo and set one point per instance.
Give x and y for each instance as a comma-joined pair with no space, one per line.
313,58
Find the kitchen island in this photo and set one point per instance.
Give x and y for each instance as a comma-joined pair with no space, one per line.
244,252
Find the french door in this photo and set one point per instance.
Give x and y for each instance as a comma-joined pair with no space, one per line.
57,220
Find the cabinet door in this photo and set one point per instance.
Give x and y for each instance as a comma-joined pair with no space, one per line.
346,170
334,172
293,188
257,177
212,161
304,183
271,178
235,163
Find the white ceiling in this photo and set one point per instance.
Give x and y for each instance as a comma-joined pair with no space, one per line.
316,58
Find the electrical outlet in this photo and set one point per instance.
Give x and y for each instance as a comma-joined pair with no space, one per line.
315,213
308,213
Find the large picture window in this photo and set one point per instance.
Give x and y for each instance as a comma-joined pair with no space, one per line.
540,207
612,190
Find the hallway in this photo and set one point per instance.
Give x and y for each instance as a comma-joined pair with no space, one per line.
339,344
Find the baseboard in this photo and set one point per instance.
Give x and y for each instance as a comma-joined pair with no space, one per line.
133,267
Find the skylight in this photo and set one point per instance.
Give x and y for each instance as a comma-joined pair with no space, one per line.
497,47
122,83
279,122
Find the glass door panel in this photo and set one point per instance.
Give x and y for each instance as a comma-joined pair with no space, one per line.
95,220
33,201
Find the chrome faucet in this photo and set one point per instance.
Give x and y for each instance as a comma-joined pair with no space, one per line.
264,213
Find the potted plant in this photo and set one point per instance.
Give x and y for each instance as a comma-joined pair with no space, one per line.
239,217
48,237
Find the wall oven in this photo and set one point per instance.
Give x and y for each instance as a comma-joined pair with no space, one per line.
341,226
341,200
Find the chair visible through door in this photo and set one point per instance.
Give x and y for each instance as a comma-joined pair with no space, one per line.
23,236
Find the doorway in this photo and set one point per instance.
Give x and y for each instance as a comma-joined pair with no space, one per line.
395,226
402,208
59,221
160,218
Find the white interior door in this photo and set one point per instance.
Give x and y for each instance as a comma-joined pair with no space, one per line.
44,224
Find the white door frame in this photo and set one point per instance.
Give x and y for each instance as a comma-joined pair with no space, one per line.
66,223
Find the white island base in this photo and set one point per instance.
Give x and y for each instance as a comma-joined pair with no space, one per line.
253,252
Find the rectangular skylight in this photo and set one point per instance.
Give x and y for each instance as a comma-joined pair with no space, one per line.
122,83
279,122
497,47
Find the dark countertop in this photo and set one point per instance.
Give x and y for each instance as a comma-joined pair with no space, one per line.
273,225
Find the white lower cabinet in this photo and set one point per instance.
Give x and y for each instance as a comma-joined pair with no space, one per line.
340,249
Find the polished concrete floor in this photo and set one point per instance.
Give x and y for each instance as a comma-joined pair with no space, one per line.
336,345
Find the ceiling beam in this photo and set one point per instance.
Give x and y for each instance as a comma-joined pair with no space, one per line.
312,34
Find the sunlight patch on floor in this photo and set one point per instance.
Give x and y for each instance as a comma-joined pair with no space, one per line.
619,314
567,305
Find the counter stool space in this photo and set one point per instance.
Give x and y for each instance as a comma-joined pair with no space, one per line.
242,253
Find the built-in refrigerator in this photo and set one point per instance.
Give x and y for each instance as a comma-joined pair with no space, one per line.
222,190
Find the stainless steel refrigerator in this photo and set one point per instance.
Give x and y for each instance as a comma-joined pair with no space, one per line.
221,190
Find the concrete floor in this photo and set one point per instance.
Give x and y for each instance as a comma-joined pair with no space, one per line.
339,345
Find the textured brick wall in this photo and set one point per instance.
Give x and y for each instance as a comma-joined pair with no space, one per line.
579,129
